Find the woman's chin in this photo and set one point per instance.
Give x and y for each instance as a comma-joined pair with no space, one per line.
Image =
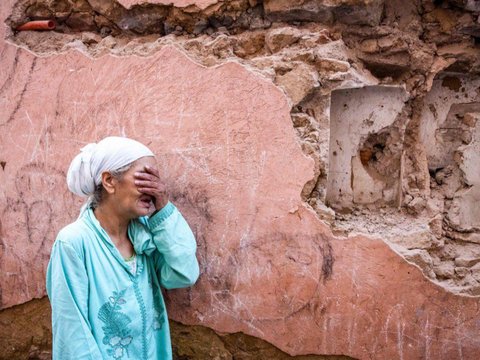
144,209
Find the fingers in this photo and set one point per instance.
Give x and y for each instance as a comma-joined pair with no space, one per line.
156,193
149,184
145,176
152,170
148,191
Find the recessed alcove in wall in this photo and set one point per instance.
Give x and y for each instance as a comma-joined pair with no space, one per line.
365,145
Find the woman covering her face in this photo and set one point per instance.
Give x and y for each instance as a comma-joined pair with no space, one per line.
106,268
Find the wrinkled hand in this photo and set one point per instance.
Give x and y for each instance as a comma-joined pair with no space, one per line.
148,182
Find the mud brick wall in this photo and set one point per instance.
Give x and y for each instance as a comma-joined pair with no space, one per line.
325,154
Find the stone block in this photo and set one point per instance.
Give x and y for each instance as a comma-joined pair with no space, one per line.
365,12
466,261
420,239
461,272
446,269
331,65
475,270
423,259
369,46
299,82
277,39
201,4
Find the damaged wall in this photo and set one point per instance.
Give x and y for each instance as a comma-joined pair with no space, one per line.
449,132
262,114
354,115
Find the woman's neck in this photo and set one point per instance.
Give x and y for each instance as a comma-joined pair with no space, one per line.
112,222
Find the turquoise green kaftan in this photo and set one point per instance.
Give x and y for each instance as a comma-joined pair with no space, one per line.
100,309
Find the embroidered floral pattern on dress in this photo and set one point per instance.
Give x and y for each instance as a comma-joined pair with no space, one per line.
117,334
158,321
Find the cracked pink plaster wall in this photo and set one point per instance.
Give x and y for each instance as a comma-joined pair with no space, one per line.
229,156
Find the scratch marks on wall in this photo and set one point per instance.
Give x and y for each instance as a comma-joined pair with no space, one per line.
29,215
21,94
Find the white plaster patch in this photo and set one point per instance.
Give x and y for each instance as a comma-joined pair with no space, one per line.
355,113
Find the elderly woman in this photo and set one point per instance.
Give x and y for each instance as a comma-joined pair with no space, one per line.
106,268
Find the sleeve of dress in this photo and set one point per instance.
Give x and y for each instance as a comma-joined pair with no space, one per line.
67,289
177,265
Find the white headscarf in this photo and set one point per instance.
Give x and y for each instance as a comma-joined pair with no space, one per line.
110,154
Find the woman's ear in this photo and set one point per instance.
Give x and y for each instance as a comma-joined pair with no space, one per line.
108,182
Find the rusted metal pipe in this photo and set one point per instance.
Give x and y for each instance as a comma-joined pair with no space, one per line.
38,25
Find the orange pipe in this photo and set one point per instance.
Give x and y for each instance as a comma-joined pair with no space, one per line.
38,25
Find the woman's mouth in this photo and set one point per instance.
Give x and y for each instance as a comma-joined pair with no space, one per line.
146,201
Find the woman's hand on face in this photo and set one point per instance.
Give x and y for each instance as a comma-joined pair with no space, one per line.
148,182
